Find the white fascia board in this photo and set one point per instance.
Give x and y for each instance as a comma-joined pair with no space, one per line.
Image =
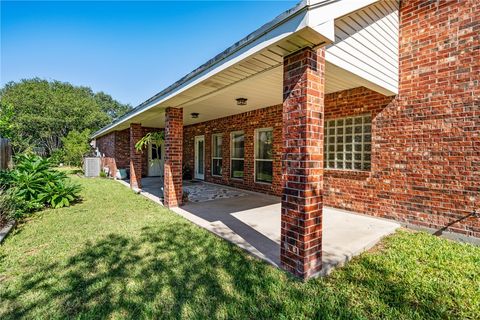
316,15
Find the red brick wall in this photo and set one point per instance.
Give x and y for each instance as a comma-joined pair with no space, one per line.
426,142
249,121
122,151
172,193
106,144
115,150
136,157
302,162
115,147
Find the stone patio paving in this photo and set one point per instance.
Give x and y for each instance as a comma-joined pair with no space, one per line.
198,191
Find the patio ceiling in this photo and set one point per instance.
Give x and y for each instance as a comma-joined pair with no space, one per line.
253,67
262,90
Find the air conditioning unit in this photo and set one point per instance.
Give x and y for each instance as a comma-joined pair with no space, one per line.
91,166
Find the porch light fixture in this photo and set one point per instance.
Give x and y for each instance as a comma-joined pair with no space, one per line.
194,115
241,101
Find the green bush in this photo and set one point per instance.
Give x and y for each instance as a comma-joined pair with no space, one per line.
34,184
75,147
7,207
57,157
12,207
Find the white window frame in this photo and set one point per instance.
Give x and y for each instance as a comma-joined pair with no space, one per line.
213,152
231,154
255,146
365,155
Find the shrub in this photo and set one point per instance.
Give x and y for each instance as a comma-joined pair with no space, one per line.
12,207
7,207
57,157
34,184
75,146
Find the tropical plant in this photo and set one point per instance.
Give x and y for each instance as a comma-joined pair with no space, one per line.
155,138
60,193
33,183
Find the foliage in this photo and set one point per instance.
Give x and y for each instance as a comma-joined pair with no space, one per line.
103,174
155,137
57,157
6,119
112,108
120,256
46,111
33,183
10,207
75,146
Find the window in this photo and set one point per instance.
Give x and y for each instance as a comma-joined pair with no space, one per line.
264,155
238,151
217,154
348,143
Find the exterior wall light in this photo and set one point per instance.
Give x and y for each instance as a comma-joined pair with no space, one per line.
194,115
241,101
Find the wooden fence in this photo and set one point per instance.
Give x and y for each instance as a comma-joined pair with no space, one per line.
5,154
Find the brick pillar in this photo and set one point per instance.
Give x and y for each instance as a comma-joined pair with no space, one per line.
136,134
302,162
172,185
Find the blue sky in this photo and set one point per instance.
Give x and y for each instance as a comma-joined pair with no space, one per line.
130,50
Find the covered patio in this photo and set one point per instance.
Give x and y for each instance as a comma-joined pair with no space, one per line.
252,221
271,89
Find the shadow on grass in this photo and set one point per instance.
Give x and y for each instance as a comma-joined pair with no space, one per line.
171,272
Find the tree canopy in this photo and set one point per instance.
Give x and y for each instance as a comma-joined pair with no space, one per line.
36,113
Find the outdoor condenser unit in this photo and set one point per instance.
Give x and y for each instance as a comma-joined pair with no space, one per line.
91,166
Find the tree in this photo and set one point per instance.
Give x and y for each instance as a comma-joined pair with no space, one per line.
46,111
75,146
111,107
6,120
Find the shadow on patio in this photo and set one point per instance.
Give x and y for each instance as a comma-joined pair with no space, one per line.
252,221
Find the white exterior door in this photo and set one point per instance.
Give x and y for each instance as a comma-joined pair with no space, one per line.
199,157
156,159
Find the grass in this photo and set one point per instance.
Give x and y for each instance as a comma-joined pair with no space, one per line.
118,255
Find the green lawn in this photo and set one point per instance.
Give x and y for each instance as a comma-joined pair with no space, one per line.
118,255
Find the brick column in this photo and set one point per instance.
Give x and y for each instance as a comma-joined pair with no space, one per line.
172,185
302,162
136,134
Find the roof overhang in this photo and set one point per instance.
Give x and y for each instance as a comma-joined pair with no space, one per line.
309,24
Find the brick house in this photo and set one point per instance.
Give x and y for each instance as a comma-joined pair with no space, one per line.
371,106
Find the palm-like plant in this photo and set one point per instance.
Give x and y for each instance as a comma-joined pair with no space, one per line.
155,137
35,183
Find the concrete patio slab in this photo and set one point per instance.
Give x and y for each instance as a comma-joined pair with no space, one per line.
252,222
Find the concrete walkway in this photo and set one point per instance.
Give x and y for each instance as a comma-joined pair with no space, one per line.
252,221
